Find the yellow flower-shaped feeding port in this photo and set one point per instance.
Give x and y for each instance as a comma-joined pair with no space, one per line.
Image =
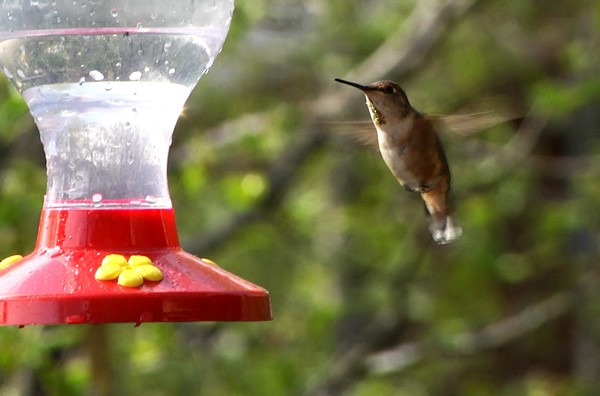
209,261
128,273
10,260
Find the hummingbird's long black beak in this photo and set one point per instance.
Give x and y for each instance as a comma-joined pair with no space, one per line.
353,84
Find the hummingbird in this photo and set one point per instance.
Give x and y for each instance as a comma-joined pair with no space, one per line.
410,147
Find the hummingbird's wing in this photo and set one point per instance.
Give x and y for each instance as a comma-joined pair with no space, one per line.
470,124
475,117
362,132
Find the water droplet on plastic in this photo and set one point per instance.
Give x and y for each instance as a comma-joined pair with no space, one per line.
7,72
135,76
151,199
21,73
34,3
9,15
55,252
118,64
172,70
114,12
108,86
67,113
146,316
96,75
97,199
81,80
146,69
167,46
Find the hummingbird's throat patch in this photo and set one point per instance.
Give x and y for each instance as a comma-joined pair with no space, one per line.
378,119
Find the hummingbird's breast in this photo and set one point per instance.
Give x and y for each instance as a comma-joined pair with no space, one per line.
394,145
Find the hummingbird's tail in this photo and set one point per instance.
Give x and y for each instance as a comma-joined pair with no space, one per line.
444,231
442,226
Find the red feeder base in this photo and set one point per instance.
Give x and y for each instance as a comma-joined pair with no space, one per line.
56,284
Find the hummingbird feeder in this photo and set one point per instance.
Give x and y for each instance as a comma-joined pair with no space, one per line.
105,83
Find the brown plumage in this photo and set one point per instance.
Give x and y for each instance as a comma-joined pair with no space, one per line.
411,149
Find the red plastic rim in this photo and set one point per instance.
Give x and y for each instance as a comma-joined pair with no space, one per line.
56,284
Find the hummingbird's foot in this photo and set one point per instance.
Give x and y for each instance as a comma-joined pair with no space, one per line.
445,232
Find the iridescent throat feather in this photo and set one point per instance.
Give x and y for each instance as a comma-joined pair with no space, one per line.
378,118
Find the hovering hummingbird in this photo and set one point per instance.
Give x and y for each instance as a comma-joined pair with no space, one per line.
411,148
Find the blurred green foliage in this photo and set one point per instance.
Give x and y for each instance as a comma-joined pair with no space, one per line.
345,251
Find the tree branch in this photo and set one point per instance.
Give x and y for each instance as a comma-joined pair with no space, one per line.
469,343
362,359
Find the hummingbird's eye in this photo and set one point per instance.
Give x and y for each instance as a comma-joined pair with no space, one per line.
389,90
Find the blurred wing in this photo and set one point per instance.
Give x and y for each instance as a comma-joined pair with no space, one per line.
469,124
362,132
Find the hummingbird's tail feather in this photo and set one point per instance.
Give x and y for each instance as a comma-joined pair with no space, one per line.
442,226
444,231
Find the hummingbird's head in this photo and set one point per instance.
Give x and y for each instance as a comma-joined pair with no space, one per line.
385,99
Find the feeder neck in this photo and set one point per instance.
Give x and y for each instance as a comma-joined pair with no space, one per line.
112,229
